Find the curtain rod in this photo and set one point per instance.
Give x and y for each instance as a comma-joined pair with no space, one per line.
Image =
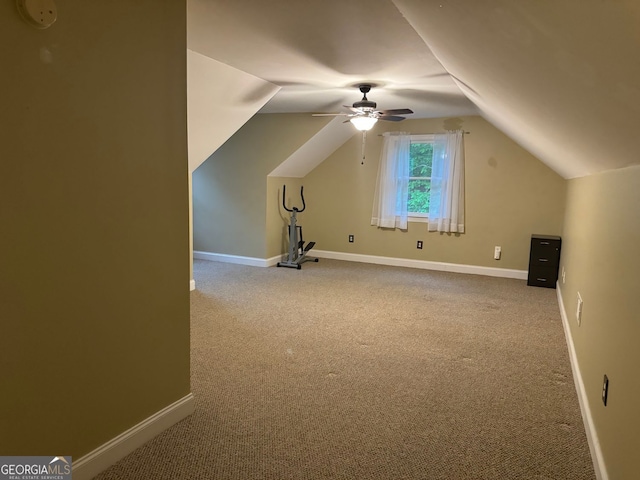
466,133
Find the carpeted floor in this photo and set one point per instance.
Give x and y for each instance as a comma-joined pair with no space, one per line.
353,371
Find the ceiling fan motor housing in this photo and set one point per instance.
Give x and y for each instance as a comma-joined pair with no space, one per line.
367,109
365,105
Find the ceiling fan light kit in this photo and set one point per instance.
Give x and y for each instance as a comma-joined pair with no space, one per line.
363,123
364,115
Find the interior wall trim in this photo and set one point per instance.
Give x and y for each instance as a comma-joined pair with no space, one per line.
251,261
589,426
423,264
117,448
355,257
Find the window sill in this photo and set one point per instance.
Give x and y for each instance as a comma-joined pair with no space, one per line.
418,219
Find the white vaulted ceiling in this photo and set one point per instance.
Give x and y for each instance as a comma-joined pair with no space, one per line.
560,78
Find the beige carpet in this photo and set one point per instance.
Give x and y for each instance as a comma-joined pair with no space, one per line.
353,371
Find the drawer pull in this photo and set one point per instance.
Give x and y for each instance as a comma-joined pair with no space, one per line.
541,279
544,243
543,259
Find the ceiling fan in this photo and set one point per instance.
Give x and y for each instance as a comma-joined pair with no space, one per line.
364,114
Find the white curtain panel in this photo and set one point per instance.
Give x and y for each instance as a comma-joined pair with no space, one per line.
392,187
446,206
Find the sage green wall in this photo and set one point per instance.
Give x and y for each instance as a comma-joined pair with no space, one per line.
600,242
509,195
230,198
94,266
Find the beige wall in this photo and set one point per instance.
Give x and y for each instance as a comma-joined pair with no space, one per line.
601,238
94,267
230,188
509,195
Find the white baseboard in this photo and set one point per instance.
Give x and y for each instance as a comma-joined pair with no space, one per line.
426,265
592,434
251,261
192,285
117,448
355,257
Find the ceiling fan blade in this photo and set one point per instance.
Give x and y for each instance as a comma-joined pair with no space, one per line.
391,118
396,111
366,108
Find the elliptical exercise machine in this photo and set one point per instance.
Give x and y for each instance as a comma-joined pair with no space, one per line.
297,249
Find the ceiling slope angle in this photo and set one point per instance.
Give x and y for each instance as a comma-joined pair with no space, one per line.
318,52
312,153
562,79
220,100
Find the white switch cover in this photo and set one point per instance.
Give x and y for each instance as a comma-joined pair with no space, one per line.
497,252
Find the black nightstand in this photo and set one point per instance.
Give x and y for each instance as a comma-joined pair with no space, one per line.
544,261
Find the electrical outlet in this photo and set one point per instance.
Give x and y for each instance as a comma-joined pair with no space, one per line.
579,309
497,252
419,245
605,390
563,274
351,239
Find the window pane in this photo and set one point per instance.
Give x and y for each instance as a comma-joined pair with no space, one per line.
419,196
421,156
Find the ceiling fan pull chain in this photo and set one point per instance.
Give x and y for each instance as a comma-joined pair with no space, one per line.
364,141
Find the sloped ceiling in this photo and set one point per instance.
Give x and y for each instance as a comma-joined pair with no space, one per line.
215,114
328,139
560,78
319,51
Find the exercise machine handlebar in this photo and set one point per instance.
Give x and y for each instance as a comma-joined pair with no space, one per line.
292,209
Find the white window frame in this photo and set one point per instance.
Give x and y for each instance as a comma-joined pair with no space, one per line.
422,138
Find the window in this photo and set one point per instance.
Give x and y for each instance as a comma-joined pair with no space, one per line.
421,156
422,177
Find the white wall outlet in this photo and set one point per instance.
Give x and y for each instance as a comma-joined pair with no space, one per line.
579,309
563,274
497,252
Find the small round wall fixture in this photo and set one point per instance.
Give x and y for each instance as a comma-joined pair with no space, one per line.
38,13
